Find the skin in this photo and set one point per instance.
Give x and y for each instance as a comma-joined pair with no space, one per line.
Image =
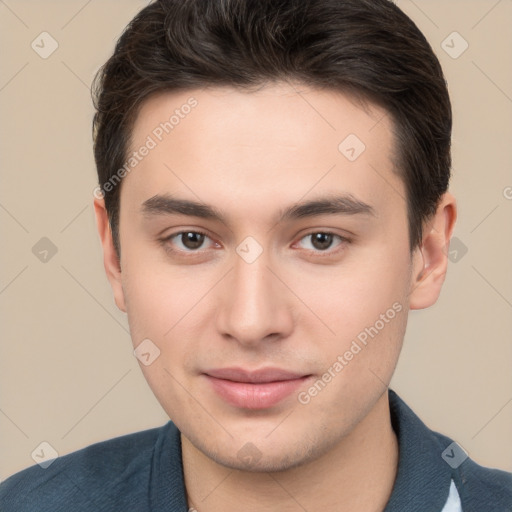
250,155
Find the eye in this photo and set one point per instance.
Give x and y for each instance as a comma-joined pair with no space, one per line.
193,241
321,241
186,241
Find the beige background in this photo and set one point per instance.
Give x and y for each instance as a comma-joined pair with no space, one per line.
68,375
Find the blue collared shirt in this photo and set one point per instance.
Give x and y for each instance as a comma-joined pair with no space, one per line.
143,472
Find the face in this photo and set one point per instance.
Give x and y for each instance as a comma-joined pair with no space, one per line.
276,308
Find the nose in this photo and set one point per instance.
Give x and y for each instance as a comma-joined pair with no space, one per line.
254,305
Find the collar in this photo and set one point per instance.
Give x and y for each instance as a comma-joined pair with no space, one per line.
422,483
423,479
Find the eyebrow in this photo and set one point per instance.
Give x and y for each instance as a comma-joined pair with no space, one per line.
330,205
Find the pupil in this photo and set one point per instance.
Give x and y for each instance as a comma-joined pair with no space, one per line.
192,240
324,240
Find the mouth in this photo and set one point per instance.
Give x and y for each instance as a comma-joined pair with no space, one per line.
257,389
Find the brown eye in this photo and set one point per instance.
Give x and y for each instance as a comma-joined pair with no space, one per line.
192,240
321,241
186,241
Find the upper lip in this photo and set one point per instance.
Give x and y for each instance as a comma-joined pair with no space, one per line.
255,376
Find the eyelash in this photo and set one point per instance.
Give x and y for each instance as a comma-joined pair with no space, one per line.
343,240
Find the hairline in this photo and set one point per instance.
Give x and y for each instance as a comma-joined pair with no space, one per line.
362,99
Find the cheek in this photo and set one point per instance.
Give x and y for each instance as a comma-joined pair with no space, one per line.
159,305
159,296
166,304
364,304
338,301
353,295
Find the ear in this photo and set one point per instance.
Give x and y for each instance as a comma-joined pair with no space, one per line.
110,260
430,259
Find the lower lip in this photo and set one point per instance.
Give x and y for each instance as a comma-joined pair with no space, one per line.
255,396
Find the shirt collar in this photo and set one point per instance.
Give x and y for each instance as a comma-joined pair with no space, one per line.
422,483
423,479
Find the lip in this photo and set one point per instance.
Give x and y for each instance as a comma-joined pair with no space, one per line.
256,389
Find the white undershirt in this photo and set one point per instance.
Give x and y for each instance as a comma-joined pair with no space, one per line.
453,502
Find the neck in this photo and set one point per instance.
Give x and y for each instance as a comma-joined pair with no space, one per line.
356,475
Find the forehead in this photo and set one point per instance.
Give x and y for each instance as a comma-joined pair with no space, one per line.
275,145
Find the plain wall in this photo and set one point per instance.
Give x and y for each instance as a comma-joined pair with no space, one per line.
67,371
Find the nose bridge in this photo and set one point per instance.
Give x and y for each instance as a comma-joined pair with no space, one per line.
253,305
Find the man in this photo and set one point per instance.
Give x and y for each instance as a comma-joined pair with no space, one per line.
273,200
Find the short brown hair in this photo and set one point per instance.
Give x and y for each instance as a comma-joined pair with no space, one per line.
368,48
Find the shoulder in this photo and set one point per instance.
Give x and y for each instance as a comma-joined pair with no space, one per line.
483,488
430,460
97,477
479,487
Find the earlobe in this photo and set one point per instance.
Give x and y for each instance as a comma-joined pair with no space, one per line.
110,259
430,261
